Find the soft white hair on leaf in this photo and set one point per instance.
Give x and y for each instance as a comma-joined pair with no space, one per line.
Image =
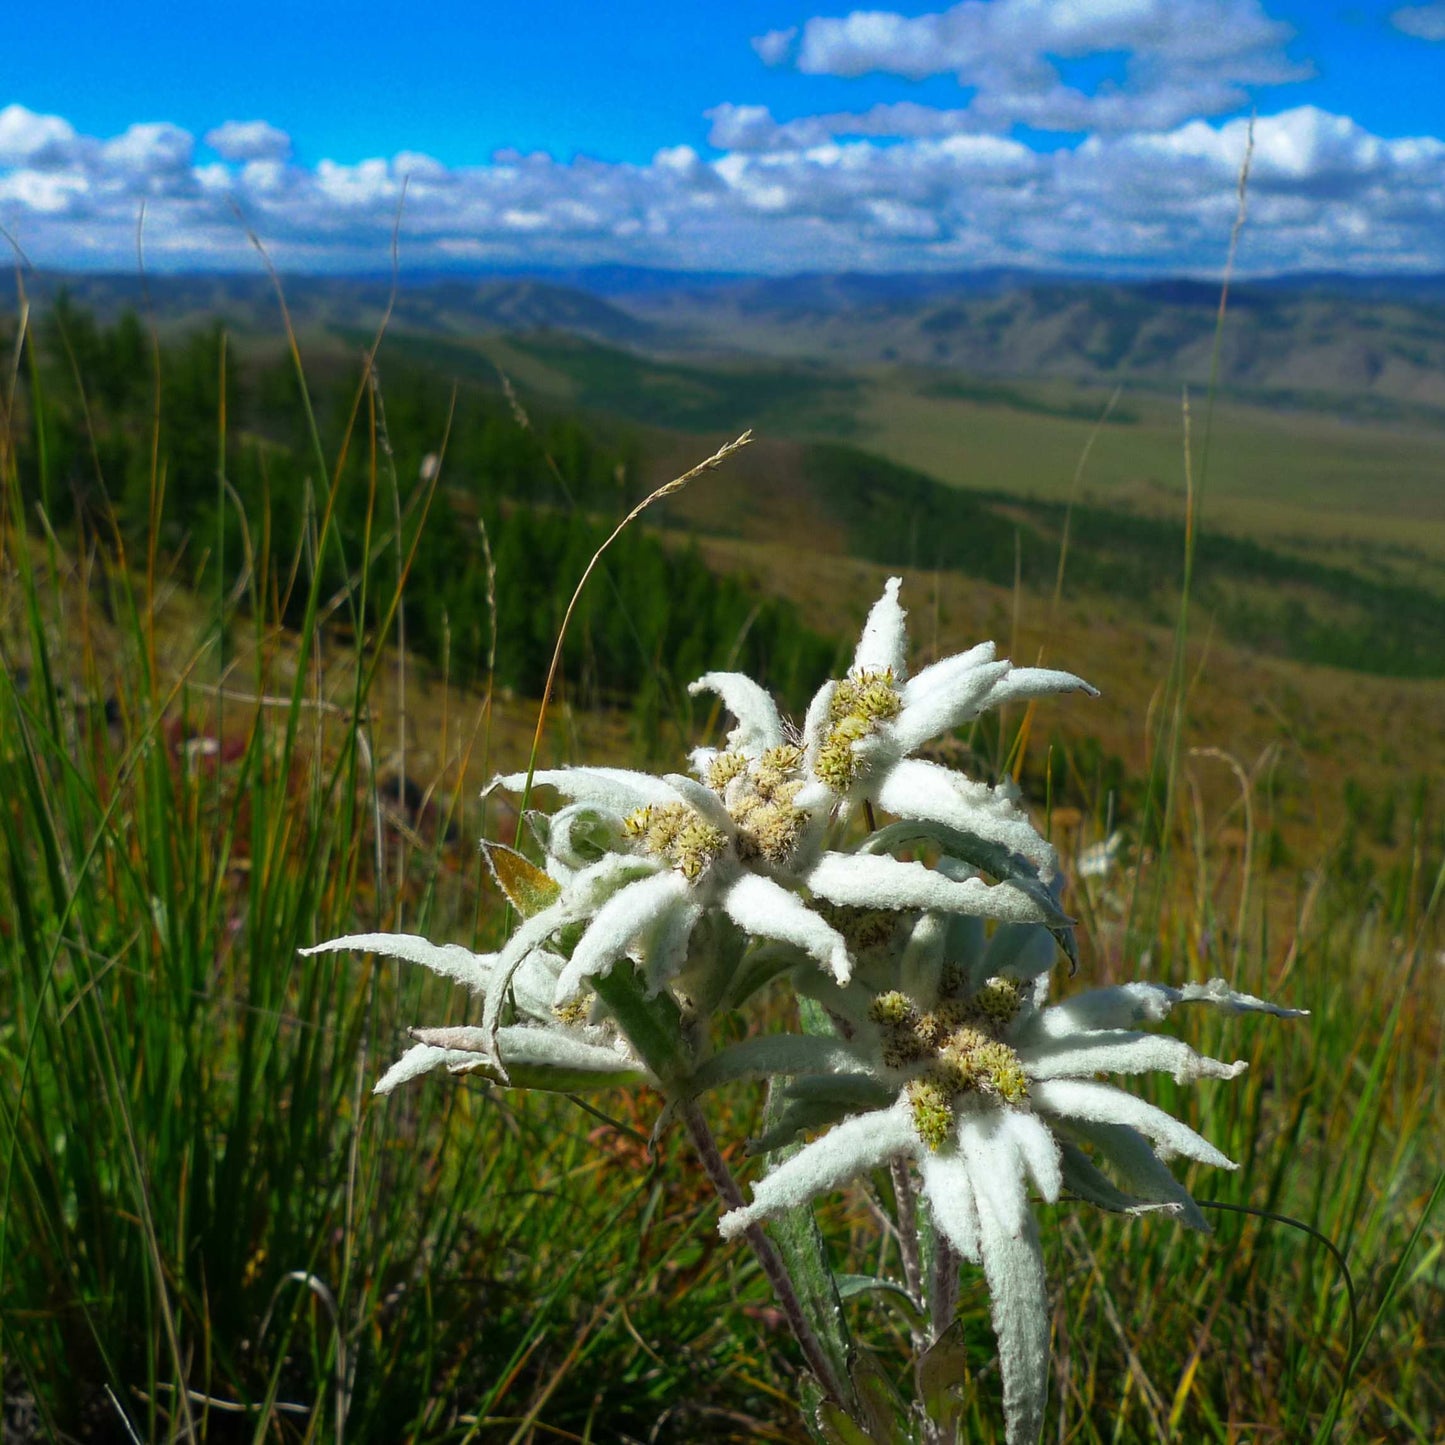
534,983
1131,1003
881,882
767,910
1140,1170
450,960
616,924
767,1055
1013,1265
949,1190
1095,1103
1085,1179
759,726
927,792
1118,1051
422,1059
844,1152
1022,684
664,945
616,788
1038,1149
944,696
883,645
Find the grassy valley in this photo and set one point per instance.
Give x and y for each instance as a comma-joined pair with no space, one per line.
265,639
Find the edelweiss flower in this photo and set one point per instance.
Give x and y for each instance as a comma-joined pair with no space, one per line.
987,1091
860,732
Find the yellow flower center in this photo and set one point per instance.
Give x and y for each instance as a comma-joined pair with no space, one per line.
958,1044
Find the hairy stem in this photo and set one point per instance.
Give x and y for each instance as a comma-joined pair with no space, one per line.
943,1299
768,1256
906,1209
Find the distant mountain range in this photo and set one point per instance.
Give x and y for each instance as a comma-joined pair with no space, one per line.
1304,337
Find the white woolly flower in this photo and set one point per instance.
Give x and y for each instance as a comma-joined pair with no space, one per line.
861,731
540,1051
991,1094
690,854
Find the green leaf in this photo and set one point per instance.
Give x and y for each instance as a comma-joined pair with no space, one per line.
524,885
653,1025
837,1429
941,1368
850,1286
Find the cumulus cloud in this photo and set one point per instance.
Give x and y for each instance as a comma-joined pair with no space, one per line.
1424,22
249,140
39,142
892,187
1184,57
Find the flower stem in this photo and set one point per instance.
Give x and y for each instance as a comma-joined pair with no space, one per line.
906,1209
944,1296
768,1256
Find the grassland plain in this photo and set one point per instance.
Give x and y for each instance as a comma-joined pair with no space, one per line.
199,1200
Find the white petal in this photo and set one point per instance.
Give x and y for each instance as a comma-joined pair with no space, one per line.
759,727
815,723
945,675
702,801
1039,1151
1013,1264
450,960
925,791
767,910
617,788
884,643
1031,682
1103,1104
1083,1178
880,882
1117,1051
944,696
664,946
1132,1003
1219,993
949,1192
994,1165
616,924
844,1152
422,1059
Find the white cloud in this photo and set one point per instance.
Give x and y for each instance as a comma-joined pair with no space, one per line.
40,142
776,46
249,140
1185,57
1424,22
892,187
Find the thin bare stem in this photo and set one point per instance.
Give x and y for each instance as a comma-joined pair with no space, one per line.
771,1261
666,490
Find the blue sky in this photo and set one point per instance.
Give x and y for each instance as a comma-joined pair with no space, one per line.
1096,134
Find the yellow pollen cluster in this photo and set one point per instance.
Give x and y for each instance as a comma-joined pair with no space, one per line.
859,704
677,833
724,768
769,826
572,1014
864,928
963,1055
